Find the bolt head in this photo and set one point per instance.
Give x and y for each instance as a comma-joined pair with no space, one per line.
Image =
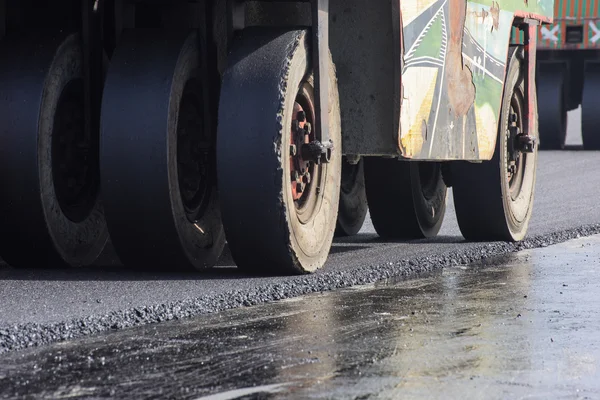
307,128
306,178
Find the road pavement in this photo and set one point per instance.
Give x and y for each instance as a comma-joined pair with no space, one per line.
40,306
519,325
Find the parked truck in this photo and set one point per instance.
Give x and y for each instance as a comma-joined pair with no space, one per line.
170,127
568,72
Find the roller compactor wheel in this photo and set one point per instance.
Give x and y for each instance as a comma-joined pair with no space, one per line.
552,108
50,210
353,205
279,209
407,199
590,108
157,158
494,199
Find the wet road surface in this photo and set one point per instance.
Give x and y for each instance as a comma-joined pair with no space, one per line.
40,306
519,325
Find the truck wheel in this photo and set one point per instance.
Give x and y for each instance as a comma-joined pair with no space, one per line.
157,155
494,199
407,199
50,211
353,206
279,210
551,106
590,108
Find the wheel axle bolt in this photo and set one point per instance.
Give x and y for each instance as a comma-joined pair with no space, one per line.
308,128
293,150
306,178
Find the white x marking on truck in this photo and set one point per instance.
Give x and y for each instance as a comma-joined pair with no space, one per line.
596,32
550,34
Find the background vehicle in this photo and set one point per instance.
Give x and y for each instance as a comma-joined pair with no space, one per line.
171,126
568,72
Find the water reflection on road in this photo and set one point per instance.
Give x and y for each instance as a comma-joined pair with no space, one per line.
524,324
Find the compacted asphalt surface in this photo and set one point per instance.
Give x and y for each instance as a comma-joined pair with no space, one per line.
518,325
42,306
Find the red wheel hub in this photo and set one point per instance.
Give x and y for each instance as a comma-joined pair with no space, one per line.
300,133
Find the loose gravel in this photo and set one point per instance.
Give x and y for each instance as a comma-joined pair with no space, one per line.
30,335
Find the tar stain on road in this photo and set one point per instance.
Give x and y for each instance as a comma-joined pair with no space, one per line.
519,325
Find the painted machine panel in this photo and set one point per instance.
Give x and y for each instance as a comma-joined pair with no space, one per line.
453,74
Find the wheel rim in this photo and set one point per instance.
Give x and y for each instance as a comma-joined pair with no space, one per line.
305,175
516,160
194,163
74,168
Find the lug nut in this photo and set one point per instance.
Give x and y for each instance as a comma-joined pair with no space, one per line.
308,128
306,178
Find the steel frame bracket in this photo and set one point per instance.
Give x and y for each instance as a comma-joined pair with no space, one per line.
530,42
320,62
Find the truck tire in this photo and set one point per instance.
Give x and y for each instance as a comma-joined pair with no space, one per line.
51,212
552,107
407,199
492,203
590,107
157,155
278,220
353,206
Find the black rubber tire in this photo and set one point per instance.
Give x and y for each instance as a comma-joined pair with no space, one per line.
552,107
590,108
265,231
41,86
402,206
485,208
353,207
146,89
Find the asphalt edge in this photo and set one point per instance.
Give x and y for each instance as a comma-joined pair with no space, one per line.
22,336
